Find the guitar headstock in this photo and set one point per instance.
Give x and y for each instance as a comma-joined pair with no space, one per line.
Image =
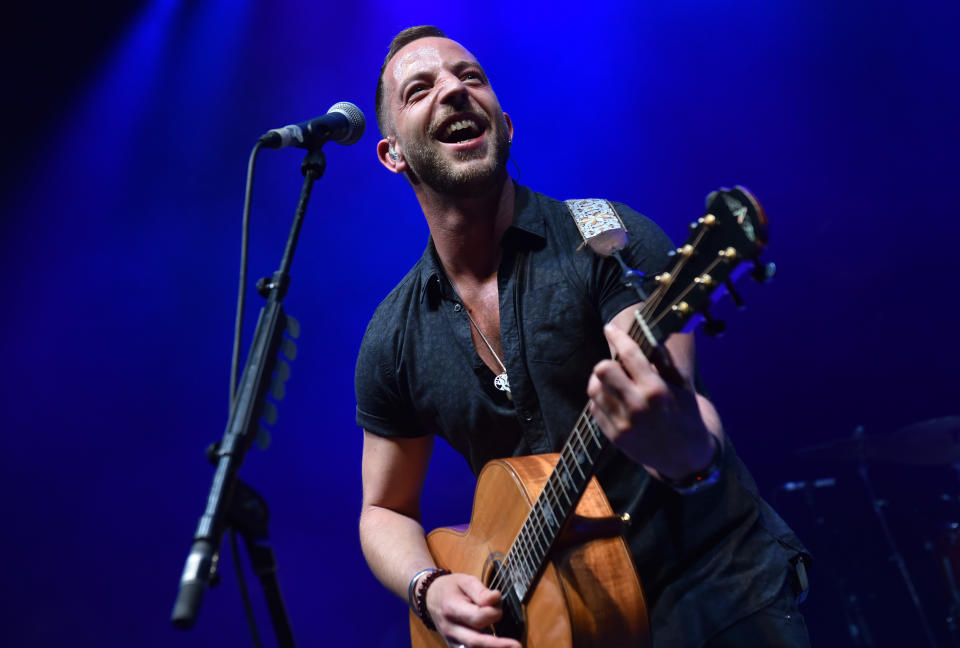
723,244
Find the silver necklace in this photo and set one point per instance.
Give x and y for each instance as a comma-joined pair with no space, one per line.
500,382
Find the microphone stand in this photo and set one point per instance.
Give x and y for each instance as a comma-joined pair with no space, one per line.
227,494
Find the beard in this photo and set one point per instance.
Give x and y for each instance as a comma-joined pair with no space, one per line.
485,170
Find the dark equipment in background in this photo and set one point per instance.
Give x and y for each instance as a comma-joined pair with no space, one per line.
877,546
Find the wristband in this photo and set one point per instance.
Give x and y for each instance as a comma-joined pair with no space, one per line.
701,479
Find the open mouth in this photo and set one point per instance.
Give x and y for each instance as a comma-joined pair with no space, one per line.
459,129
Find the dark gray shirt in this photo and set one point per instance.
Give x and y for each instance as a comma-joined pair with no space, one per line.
705,560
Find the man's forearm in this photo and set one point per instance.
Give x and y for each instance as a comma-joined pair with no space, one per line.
394,546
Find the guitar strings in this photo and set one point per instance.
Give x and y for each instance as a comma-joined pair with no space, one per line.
653,301
527,553
684,293
520,559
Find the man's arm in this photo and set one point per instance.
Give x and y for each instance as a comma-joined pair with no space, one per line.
669,428
391,537
394,545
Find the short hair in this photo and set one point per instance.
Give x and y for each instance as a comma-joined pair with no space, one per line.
400,41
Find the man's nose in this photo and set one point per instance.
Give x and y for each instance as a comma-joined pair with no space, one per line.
452,89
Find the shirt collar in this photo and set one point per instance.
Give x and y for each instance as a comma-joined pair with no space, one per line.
527,215
431,274
527,224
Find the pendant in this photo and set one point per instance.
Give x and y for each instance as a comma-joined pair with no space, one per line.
502,383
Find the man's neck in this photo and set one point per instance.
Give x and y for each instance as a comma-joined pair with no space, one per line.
467,231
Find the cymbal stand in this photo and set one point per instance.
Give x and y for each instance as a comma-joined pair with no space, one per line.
895,554
949,571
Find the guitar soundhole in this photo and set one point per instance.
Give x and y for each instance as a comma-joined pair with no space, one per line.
511,624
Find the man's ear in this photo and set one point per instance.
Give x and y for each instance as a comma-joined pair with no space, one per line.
509,125
390,157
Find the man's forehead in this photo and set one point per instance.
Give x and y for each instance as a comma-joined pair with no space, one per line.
426,53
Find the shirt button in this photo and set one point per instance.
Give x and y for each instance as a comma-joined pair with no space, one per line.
528,418
457,307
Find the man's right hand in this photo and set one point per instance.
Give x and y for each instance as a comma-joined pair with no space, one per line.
462,609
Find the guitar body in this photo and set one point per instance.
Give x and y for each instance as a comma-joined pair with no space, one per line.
588,593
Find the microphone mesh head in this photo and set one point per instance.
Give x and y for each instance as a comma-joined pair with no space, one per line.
355,116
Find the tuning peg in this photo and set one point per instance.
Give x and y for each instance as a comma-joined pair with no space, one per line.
705,281
763,272
707,219
734,295
713,327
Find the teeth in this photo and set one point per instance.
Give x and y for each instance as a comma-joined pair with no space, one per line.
460,125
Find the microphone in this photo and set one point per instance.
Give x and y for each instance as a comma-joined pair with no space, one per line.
344,123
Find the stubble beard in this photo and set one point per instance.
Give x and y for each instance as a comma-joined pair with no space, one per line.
462,180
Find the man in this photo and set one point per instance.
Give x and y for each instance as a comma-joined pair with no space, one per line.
490,342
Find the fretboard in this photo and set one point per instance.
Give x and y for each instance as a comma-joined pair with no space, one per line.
559,498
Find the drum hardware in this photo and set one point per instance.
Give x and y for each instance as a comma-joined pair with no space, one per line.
927,443
935,442
895,555
854,619
945,550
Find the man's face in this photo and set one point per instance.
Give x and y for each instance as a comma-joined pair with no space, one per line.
448,124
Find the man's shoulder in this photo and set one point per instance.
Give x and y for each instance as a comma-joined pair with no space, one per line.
403,295
406,294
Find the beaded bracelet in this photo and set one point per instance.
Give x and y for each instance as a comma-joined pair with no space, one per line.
413,583
422,610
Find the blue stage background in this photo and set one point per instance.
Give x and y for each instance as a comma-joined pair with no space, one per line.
123,172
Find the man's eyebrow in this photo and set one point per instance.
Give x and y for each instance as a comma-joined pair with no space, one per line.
461,65
419,75
416,74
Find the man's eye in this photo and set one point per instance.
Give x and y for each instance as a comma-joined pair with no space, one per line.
415,90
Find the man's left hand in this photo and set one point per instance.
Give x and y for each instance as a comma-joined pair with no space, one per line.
657,424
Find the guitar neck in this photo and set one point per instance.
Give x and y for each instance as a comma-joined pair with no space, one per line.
558,499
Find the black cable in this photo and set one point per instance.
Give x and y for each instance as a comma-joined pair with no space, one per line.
241,292
515,166
234,367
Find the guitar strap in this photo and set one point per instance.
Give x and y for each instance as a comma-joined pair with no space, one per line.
599,224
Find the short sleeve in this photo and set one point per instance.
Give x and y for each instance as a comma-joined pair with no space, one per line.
382,406
647,250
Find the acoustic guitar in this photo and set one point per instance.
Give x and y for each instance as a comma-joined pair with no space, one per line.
542,531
